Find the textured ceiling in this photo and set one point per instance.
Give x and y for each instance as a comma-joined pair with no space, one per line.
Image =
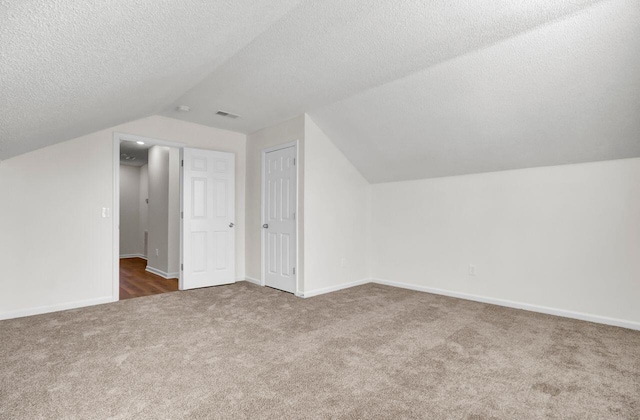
69,68
568,92
323,51
406,89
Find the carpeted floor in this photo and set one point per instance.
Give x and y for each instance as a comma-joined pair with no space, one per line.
244,351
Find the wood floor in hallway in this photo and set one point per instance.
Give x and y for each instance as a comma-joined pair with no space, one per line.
135,281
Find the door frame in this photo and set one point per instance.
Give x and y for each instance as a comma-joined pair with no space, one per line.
115,216
263,247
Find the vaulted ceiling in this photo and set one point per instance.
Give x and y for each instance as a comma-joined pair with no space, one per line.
69,68
406,90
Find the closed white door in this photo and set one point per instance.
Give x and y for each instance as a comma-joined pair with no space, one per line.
279,218
208,232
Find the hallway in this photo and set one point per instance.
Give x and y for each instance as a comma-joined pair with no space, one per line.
136,282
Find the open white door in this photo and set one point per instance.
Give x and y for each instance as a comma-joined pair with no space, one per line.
279,218
208,234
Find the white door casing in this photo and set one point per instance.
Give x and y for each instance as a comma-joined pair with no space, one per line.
279,218
208,217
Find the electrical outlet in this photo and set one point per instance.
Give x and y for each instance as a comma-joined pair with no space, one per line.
106,212
472,270
157,252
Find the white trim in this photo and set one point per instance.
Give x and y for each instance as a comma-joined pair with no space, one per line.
115,211
161,273
316,292
115,217
264,152
181,230
280,146
516,305
123,256
252,280
55,308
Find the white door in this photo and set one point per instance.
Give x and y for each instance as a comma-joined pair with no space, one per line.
279,218
208,233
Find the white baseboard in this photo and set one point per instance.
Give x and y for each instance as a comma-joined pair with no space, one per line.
335,288
161,273
133,256
516,305
253,280
484,299
55,308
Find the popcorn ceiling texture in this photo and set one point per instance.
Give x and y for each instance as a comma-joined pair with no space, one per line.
400,89
70,68
567,92
323,51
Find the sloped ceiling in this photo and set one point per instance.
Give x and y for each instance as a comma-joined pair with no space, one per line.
568,92
69,68
407,90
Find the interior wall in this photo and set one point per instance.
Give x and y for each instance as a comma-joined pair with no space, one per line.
143,207
336,207
563,237
158,258
173,232
285,132
70,245
130,243
56,249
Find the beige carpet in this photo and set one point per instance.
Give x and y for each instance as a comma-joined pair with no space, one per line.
244,351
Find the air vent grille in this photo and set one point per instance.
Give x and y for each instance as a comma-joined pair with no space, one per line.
227,114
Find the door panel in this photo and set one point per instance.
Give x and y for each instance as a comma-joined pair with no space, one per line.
279,206
208,216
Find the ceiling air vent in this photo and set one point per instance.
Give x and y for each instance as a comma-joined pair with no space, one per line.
227,114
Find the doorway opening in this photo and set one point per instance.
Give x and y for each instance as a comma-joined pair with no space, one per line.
189,205
149,218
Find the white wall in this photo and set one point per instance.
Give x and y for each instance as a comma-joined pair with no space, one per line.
564,237
336,206
285,132
143,206
333,240
55,248
158,258
173,232
130,241
58,192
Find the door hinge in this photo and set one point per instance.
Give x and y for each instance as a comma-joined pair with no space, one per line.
182,162
181,267
182,215
294,270
294,215
294,161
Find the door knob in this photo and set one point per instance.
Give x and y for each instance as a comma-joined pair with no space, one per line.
230,224
266,226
